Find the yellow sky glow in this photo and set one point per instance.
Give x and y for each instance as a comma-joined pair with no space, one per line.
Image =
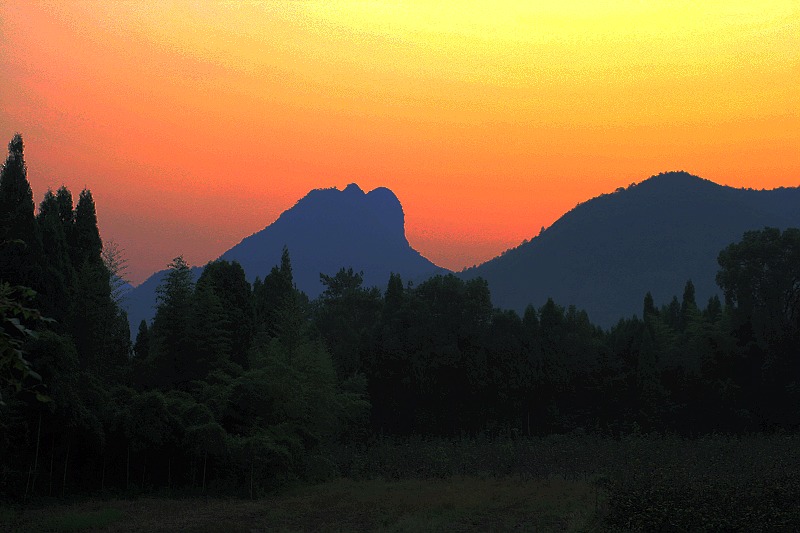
197,123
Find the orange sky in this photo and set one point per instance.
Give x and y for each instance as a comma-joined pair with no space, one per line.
196,123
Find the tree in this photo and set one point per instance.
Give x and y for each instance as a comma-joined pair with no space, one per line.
141,347
508,372
651,397
209,333
760,277
92,315
117,265
394,292
347,314
15,323
446,323
689,309
66,215
713,310
228,283
65,209
170,352
87,246
272,294
58,275
20,260
649,307
97,323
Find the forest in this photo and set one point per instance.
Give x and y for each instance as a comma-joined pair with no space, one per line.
240,389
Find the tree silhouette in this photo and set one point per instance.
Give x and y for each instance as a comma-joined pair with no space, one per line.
170,350
19,238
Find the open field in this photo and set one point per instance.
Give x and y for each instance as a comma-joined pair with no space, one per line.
572,482
454,504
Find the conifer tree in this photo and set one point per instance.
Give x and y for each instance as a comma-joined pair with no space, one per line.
96,320
649,308
209,333
87,243
66,214
227,281
141,347
170,351
688,305
274,293
20,246
347,314
65,208
394,292
58,274
713,310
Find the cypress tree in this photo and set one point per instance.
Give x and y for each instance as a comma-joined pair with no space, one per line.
228,283
208,335
170,334
649,308
688,305
58,275
394,292
87,243
66,214
94,315
141,348
20,245
274,293
65,208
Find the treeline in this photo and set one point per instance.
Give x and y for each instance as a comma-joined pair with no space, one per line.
239,388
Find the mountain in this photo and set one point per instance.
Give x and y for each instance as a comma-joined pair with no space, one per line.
607,253
326,230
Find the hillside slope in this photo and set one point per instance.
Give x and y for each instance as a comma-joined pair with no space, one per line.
605,254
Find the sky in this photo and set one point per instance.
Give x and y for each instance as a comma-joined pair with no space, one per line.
196,123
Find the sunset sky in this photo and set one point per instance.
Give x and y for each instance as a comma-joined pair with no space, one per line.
197,123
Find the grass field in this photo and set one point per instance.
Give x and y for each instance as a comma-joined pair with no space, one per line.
454,504
573,482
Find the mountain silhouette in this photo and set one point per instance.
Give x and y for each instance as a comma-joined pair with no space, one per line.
607,253
326,230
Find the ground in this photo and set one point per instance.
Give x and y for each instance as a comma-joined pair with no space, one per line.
453,504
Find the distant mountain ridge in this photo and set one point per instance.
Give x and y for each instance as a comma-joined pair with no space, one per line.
607,253
324,231
604,255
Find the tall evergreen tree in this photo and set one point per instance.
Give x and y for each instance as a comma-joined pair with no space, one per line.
227,281
141,347
689,310
170,352
649,308
65,207
66,214
87,244
271,295
347,315
58,275
96,320
394,291
209,332
20,247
